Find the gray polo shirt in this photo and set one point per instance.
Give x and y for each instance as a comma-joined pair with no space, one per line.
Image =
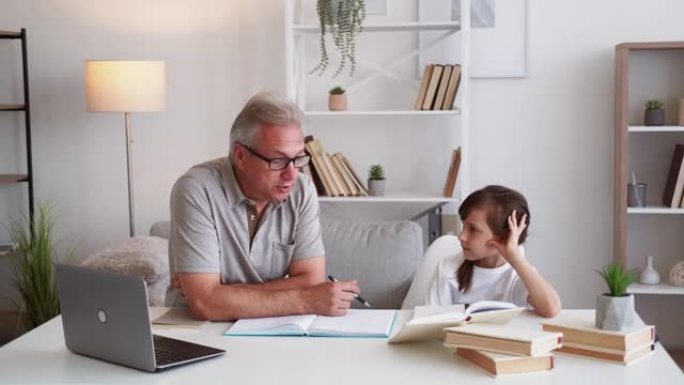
210,230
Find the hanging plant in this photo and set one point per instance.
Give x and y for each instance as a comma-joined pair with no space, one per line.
343,20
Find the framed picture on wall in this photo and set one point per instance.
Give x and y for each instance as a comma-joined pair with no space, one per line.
498,32
376,7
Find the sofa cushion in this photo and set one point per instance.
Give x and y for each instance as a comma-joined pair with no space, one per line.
382,257
141,256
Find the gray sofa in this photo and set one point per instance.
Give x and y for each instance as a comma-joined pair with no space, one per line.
382,257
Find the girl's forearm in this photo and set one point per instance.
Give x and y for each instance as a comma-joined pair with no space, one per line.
542,296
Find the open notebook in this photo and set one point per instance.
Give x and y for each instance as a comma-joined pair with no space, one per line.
356,323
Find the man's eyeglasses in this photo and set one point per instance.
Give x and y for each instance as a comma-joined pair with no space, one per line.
277,164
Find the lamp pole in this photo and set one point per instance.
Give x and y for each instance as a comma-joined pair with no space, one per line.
129,165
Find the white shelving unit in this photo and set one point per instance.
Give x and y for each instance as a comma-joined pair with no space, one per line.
377,119
662,288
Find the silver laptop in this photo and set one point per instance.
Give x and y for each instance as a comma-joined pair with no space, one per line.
105,316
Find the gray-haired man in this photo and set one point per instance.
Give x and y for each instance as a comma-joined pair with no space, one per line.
245,235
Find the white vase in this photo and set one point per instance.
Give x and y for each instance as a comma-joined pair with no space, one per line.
649,275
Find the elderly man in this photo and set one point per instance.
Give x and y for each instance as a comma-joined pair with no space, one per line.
245,235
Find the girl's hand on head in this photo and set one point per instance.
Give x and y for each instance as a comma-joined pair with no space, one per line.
508,247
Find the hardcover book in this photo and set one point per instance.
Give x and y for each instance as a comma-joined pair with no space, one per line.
499,363
427,75
592,352
579,328
452,88
502,339
431,92
674,185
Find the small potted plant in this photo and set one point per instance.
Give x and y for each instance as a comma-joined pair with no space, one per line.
654,115
376,180
343,20
337,100
615,309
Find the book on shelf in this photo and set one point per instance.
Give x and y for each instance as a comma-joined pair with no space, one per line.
499,363
579,329
355,177
452,87
674,185
442,88
427,75
315,150
356,323
333,175
336,176
428,322
502,339
588,351
452,174
318,183
347,178
431,93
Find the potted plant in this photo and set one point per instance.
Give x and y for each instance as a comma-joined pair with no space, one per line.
376,180
615,309
654,115
342,19
337,100
34,267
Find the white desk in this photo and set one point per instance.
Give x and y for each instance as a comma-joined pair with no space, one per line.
41,357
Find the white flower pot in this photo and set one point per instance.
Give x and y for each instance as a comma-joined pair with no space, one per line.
376,187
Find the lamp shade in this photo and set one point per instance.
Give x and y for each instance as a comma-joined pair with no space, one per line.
125,86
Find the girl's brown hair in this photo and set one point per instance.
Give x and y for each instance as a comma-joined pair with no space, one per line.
499,202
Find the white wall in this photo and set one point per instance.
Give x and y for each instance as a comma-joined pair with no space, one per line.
550,135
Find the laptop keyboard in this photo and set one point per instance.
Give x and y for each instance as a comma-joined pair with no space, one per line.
165,357
170,351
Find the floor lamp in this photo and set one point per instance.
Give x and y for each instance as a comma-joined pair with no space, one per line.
125,86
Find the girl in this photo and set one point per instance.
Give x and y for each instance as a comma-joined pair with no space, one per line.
492,265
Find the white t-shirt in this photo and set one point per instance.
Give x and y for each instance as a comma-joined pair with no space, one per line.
497,284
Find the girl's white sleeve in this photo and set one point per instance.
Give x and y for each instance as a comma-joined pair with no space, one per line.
439,293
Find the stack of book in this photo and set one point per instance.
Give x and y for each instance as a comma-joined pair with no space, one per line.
438,87
582,338
333,174
501,349
674,186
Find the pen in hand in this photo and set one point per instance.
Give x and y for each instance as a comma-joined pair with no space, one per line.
358,297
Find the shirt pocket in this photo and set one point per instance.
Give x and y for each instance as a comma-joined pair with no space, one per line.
281,257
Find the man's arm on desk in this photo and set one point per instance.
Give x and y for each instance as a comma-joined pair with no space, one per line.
304,292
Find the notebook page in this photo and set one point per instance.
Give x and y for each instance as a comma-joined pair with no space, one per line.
437,313
272,326
356,323
178,317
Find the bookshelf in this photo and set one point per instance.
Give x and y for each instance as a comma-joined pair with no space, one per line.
24,109
381,111
647,71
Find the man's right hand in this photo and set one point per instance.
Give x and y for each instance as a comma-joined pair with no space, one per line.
330,298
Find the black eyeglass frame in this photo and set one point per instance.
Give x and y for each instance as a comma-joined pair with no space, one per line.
297,161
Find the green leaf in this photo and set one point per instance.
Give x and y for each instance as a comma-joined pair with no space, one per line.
617,279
